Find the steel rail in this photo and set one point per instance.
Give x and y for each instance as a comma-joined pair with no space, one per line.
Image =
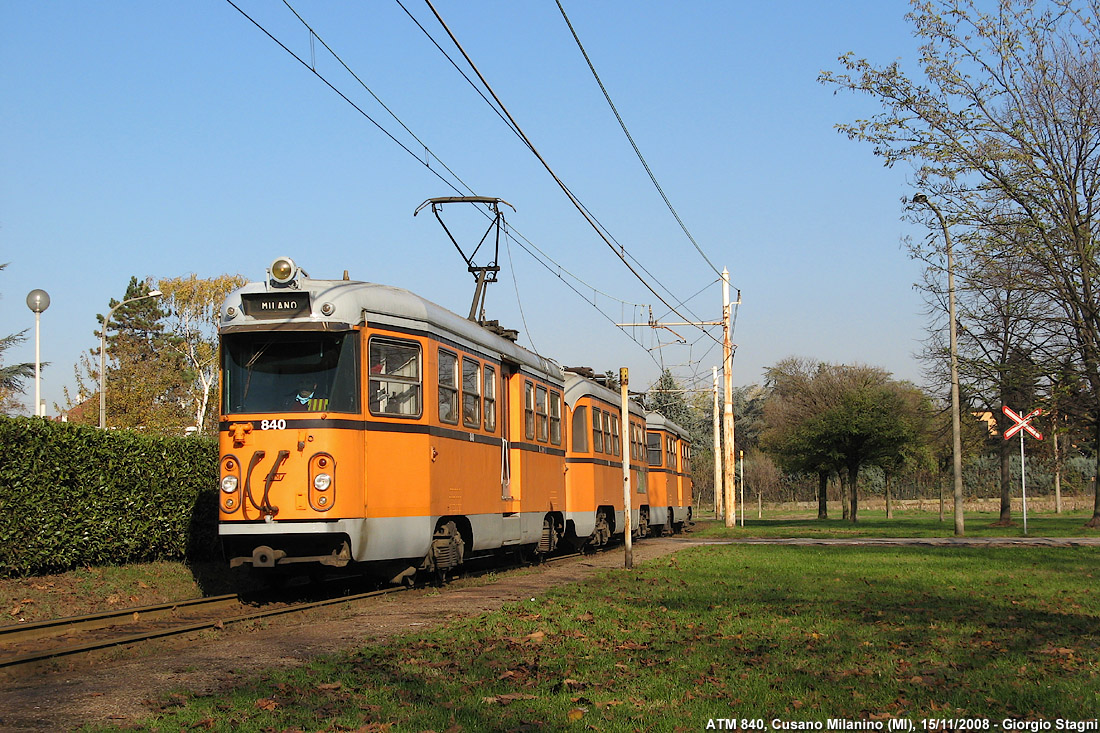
42,655
55,627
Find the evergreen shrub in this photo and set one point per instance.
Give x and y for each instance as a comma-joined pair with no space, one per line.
73,495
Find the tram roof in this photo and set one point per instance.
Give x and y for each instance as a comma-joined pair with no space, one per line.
577,387
355,303
657,421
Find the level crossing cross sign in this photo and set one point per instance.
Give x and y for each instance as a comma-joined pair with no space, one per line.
1022,423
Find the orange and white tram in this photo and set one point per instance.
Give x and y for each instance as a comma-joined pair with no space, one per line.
668,454
361,423
594,462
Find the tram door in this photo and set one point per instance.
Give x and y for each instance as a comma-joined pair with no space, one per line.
512,524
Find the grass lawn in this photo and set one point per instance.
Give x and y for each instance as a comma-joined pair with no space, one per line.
873,523
720,632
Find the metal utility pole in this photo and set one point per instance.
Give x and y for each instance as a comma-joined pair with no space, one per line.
38,301
624,381
956,428
741,456
724,477
728,466
717,450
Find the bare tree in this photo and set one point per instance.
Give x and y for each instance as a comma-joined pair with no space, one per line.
1005,111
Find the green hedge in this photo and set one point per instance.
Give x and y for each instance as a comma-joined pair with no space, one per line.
73,495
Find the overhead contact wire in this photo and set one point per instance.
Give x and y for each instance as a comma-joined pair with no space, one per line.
312,68
343,96
634,145
569,194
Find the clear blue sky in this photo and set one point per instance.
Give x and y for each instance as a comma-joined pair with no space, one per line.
160,139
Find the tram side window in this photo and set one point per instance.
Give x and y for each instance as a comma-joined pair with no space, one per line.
448,387
555,418
637,451
543,430
597,434
490,398
653,448
615,435
394,377
471,393
608,444
670,452
529,410
580,429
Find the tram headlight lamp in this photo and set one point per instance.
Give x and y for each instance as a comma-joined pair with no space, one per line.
229,484
322,481
283,270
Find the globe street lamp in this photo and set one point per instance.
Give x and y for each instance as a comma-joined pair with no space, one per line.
956,428
38,301
103,352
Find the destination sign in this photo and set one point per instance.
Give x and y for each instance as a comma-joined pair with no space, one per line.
275,305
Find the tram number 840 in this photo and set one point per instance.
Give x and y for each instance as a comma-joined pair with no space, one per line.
273,425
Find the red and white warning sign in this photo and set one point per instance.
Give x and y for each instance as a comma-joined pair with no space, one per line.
1022,423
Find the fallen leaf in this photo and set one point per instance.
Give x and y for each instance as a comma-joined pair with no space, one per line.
575,714
267,703
508,698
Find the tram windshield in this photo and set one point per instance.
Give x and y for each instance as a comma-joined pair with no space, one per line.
302,371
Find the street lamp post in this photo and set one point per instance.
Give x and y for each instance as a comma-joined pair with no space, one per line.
103,354
38,301
956,428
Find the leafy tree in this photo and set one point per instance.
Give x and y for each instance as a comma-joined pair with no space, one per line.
146,375
825,418
1005,117
666,396
876,423
193,306
13,375
799,391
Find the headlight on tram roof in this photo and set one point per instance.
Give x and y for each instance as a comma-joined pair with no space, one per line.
283,270
322,481
229,484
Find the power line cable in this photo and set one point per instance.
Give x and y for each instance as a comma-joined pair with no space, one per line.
343,96
460,71
497,109
620,251
634,145
540,257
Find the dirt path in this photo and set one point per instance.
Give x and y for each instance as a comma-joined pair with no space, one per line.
129,687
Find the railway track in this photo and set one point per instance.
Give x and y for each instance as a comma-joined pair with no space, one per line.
26,644
29,643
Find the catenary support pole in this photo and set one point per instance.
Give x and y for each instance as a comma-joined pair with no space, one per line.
624,381
717,451
728,488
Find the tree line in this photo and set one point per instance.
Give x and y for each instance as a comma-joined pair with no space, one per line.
836,434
